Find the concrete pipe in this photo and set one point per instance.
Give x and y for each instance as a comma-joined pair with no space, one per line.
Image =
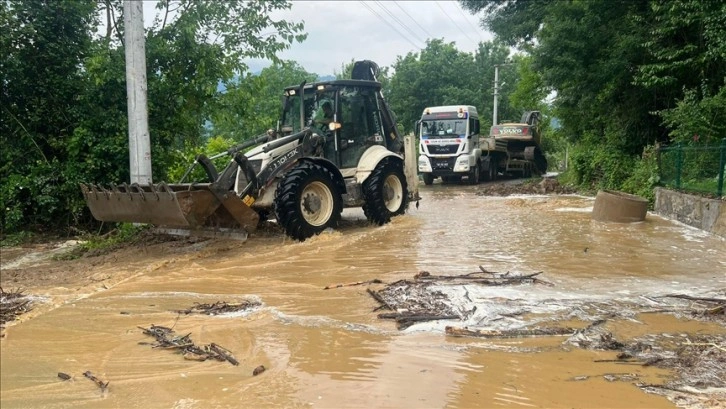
619,207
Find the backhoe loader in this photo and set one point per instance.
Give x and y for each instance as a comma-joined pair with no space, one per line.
303,173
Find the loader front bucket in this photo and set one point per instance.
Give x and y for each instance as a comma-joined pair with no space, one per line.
187,206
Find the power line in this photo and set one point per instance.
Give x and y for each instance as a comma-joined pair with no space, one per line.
389,24
476,29
452,20
414,20
399,21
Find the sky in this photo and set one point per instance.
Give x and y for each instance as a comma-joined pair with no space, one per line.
341,31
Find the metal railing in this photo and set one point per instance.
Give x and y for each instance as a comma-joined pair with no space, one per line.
693,167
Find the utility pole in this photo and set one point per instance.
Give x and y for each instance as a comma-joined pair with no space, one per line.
496,93
139,145
496,90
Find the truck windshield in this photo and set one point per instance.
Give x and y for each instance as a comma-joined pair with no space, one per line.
443,128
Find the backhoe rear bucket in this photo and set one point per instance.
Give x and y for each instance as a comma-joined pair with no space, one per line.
186,206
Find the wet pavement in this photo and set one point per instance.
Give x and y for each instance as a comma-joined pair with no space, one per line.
328,349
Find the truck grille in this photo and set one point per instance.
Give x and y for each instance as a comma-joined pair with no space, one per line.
443,149
443,163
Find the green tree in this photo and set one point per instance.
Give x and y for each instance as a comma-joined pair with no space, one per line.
44,44
252,105
687,71
64,99
439,75
626,73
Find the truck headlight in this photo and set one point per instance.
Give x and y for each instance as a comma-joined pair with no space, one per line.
462,164
423,164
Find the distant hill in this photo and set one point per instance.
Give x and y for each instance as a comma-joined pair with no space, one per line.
326,77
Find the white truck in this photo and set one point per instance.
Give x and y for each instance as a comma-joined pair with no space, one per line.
451,147
449,144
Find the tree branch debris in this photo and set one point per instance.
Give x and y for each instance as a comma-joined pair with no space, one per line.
219,307
166,339
13,304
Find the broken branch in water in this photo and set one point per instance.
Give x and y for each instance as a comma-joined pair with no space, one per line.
492,278
515,333
97,381
378,298
688,297
165,339
219,307
224,353
374,281
405,320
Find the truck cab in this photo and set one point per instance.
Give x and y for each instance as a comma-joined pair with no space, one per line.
449,143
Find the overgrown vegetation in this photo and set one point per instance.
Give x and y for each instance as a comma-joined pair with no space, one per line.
627,74
63,115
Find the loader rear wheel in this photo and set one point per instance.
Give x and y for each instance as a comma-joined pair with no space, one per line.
307,202
385,191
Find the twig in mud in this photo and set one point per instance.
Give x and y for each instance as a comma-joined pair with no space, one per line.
374,281
650,385
688,297
224,353
12,304
483,270
405,320
494,280
703,344
97,381
219,307
378,298
515,333
620,361
165,339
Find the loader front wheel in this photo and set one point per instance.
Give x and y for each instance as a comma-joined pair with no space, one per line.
307,202
385,191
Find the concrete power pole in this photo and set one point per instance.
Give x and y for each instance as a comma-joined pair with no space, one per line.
139,145
496,93
496,90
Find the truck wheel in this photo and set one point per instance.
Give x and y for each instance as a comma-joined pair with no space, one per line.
428,179
306,201
492,172
475,174
385,192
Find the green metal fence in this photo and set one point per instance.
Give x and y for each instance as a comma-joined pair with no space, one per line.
693,167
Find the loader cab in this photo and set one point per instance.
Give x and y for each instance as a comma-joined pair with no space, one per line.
356,119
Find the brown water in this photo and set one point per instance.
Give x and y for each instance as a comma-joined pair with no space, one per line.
327,348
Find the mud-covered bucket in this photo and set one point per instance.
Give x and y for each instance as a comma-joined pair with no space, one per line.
619,207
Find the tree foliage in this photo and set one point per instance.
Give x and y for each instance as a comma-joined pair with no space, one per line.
64,92
252,104
443,75
626,73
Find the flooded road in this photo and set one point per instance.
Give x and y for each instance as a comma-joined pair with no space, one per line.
327,348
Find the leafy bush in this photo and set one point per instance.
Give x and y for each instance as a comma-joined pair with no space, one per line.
645,176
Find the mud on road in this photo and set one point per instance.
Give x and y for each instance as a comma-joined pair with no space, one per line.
684,336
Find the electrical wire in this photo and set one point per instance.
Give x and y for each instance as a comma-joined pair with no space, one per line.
452,20
389,24
413,35
476,29
414,20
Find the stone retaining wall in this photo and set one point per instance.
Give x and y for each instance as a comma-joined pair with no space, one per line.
703,213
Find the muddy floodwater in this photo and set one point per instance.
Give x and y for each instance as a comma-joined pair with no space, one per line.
328,348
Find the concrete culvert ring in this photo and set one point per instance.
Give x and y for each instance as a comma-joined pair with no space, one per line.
619,207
